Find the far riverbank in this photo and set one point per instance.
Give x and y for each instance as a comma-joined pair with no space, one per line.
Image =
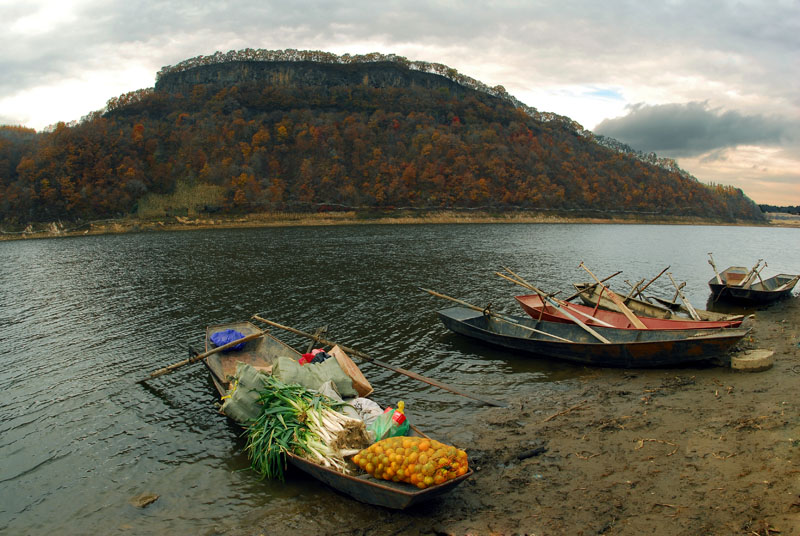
284,219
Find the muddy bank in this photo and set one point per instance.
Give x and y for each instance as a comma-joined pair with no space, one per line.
705,450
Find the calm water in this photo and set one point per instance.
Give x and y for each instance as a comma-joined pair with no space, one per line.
82,319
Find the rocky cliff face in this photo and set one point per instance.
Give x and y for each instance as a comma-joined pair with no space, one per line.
305,74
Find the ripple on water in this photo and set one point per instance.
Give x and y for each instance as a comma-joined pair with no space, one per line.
83,319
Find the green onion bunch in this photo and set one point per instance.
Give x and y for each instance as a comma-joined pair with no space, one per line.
303,422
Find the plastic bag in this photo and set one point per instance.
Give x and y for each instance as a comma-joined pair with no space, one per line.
391,423
367,409
221,338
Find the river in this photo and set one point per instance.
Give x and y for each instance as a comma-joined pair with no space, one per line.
82,319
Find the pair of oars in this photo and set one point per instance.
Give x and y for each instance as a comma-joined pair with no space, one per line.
558,305
617,301
317,338
636,291
369,359
591,287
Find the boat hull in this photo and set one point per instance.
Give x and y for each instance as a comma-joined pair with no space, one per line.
626,349
590,295
537,309
730,287
364,488
367,489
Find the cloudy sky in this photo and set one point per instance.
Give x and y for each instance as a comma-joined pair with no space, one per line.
714,84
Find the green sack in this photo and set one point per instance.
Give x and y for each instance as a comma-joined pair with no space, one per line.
386,426
313,375
241,400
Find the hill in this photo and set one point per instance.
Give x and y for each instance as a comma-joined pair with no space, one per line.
297,131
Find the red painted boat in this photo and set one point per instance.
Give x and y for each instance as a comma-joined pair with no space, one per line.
536,308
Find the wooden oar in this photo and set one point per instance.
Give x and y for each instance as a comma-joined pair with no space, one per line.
617,300
652,280
555,304
692,311
634,288
365,357
592,286
714,266
564,305
317,334
749,275
498,316
641,290
179,364
757,273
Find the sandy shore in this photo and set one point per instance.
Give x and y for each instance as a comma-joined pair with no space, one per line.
706,450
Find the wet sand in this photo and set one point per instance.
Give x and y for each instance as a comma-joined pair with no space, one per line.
706,450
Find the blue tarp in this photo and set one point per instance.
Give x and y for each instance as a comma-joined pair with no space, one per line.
221,338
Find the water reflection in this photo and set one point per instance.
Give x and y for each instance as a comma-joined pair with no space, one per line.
83,319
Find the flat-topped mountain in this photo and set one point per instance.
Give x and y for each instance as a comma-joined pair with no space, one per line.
253,131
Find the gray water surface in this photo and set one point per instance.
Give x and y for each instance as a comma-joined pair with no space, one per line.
82,319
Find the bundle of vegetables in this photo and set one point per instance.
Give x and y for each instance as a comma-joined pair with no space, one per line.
419,461
303,422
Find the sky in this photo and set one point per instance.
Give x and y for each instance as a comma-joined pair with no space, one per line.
713,84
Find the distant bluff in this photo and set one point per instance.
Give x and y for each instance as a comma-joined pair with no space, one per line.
312,68
384,74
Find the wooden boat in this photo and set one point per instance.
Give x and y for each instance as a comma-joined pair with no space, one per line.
590,294
536,308
364,488
735,284
627,348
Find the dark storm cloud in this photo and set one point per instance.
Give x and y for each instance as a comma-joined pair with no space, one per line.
744,45
692,129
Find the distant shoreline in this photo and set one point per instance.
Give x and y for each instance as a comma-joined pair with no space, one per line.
179,223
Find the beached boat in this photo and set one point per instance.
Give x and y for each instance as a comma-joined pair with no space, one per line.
534,305
591,294
736,284
362,487
626,348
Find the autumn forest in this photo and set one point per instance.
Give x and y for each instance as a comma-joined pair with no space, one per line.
330,137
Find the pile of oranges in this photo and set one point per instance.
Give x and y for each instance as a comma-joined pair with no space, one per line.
419,461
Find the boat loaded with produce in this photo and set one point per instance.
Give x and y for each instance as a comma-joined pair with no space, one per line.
312,411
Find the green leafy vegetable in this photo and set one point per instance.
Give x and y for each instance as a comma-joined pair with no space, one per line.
303,422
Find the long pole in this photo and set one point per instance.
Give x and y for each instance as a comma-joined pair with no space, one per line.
365,357
714,266
757,273
692,311
641,290
498,316
592,286
555,304
562,303
749,275
634,289
616,299
198,357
